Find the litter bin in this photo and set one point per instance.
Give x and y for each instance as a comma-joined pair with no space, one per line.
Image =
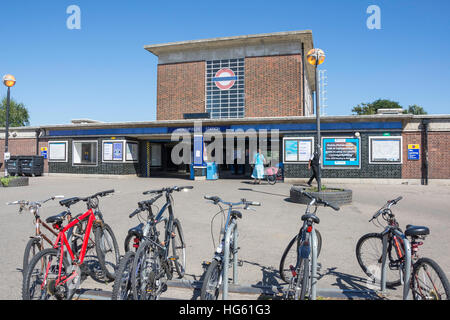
31,165
211,171
12,166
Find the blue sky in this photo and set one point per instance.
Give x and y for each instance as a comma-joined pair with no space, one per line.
102,71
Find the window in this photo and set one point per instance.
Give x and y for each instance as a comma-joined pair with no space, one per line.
84,153
385,150
222,96
131,151
57,151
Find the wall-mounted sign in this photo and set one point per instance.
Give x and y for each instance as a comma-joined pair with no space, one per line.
57,151
44,152
118,151
386,149
340,152
413,152
198,150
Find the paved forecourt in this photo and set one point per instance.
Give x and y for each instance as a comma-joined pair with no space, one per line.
263,234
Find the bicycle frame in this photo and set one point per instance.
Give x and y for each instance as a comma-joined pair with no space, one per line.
231,226
62,242
391,231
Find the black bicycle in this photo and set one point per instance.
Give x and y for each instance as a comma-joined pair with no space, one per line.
152,264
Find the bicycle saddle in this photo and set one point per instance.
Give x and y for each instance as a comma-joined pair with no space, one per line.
58,218
69,202
416,230
311,216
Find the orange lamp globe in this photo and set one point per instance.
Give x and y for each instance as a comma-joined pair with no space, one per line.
315,55
9,80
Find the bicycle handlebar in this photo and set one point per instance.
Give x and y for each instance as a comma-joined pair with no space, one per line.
319,200
216,200
168,189
144,205
387,206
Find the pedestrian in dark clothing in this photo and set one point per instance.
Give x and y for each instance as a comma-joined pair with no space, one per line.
314,165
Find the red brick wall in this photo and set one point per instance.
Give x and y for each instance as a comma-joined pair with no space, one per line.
25,147
438,156
180,89
273,86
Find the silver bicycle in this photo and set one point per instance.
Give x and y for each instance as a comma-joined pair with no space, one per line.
216,276
303,282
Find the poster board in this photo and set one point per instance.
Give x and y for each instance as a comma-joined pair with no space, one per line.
341,152
385,150
57,151
131,151
297,149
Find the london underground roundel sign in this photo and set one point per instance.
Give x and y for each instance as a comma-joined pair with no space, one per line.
224,79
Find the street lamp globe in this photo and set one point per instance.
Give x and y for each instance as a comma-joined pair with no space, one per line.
315,56
9,80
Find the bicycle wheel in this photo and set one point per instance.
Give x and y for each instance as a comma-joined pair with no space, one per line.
122,289
131,242
107,250
212,282
39,281
302,280
178,249
147,277
271,179
369,252
289,257
33,246
428,281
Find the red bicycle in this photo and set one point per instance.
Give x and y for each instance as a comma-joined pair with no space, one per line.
57,272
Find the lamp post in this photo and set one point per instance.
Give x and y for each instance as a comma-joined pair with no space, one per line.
9,81
316,57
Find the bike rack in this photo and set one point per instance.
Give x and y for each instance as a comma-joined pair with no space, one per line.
407,267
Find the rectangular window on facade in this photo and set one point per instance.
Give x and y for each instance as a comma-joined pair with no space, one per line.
132,151
84,152
225,83
155,150
385,150
57,151
297,149
341,152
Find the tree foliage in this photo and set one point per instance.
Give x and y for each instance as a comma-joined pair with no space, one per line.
18,114
372,107
415,109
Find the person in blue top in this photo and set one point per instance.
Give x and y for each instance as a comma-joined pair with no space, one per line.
258,170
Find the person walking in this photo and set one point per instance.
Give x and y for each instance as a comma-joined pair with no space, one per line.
258,170
314,165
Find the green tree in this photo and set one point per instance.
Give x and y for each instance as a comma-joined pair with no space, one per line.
372,107
18,114
415,109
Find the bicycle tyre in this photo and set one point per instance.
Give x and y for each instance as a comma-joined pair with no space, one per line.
214,273
302,280
284,270
77,237
129,242
102,249
271,179
145,265
368,268
26,286
122,288
418,293
179,249
31,249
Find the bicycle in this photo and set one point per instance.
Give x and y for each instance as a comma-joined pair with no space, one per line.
392,251
122,289
304,274
54,273
36,242
216,276
152,265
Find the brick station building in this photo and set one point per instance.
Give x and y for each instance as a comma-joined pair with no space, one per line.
233,85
